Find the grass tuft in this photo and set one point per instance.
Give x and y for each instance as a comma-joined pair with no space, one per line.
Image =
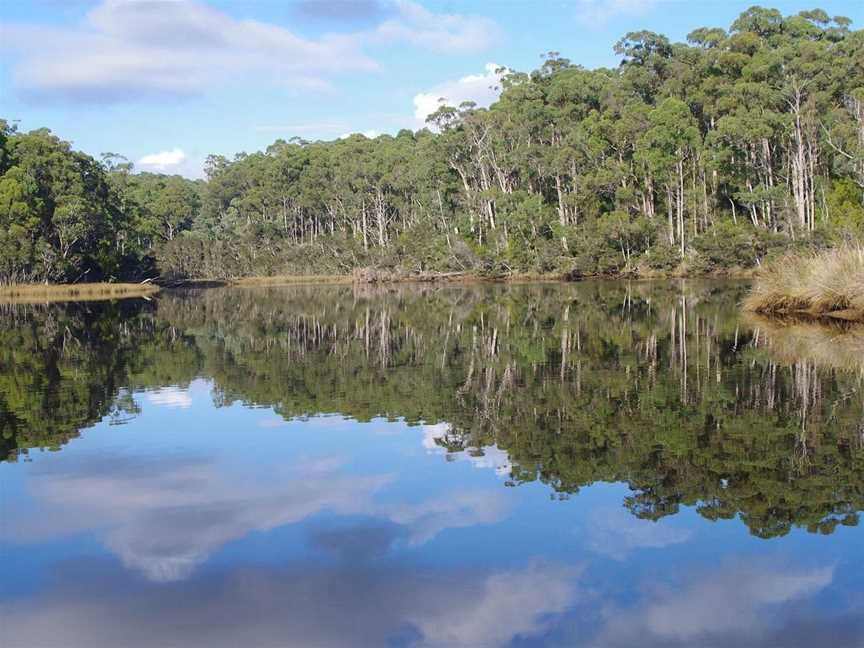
827,284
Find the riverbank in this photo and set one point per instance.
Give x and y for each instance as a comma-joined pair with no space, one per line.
827,285
367,277
41,293
377,276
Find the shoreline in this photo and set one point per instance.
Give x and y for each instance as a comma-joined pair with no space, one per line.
59,293
385,278
50,293
812,315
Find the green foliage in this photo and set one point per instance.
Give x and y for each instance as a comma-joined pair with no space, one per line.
845,207
662,256
728,246
611,244
65,217
55,212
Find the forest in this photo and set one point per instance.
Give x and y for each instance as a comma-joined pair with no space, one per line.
707,156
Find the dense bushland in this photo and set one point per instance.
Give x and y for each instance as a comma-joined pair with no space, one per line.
695,157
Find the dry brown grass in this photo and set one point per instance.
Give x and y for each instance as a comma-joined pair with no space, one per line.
828,284
286,280
41,293
365,275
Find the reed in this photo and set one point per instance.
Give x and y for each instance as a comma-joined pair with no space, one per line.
37,293
826,284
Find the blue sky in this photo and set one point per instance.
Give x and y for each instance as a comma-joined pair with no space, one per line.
166,82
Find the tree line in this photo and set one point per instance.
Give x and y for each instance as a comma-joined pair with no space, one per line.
695,157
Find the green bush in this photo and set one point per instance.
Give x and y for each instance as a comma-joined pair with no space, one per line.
613,243
845,206
728,245
662,256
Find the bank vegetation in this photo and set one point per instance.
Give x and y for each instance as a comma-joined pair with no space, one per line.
824,284
39,293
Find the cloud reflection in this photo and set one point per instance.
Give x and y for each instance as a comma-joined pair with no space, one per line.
615,533
170,397
163,518
312,605
742,604
456,510
383,603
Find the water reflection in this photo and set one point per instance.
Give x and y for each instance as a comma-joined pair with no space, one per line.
659,386
609,531
556,465
748,605
163,517
736,605
298,605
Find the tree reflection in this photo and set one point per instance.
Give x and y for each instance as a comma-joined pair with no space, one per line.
65,367
658,385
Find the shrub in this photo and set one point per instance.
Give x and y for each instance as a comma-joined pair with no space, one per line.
662,256
728,245
845,206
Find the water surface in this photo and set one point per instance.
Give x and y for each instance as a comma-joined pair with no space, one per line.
599,464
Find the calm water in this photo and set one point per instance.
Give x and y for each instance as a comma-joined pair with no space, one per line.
601,464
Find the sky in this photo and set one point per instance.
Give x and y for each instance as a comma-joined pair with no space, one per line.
167,82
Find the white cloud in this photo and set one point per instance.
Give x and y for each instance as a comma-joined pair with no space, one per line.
368,134
594,12
126,49
172,161
483,89
163,159
448,33
616,533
